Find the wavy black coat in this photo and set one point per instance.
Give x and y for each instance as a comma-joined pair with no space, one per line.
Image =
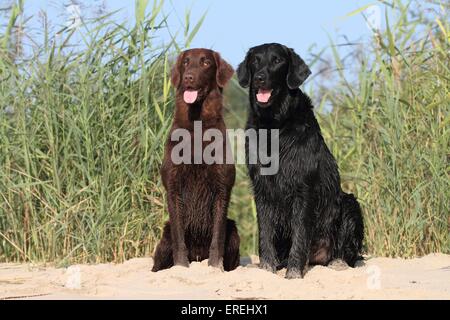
304,217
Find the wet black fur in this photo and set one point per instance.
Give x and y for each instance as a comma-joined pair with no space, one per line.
304,217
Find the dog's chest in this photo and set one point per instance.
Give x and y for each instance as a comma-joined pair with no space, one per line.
286,182
197,189
196,175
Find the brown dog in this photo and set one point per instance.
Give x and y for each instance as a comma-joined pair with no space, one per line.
198,194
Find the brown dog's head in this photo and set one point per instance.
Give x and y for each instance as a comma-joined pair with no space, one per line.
199,71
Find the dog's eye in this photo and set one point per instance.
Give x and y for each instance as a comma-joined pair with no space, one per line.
277,60
255,61
206,63
186,61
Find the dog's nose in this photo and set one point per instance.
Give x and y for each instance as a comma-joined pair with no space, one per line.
188,77
260,78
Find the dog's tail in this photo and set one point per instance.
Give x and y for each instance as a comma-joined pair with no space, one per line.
351,231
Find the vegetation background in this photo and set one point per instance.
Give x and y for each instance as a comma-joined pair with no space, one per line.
82,129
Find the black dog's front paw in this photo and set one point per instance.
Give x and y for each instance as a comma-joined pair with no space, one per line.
268,267
295,273
338,265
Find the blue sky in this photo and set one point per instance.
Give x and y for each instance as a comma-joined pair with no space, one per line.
232,26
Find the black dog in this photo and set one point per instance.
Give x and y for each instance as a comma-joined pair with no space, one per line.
303,215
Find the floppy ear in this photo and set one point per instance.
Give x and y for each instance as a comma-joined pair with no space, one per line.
298,70
224,71
243,72
176,71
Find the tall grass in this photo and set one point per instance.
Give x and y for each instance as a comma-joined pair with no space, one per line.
81,139
82,131
389,130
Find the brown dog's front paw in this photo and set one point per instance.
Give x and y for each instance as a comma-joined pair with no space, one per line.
181,260
215,261
295,273
182,264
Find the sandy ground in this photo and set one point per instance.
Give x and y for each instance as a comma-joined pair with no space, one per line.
376,278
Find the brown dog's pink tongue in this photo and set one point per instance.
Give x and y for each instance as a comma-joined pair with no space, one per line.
190,96
263,95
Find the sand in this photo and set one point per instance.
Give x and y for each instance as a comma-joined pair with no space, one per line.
376,278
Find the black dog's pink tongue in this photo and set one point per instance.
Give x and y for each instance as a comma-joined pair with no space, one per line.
263,95
190,96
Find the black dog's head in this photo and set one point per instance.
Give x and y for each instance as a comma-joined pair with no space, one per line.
270,70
